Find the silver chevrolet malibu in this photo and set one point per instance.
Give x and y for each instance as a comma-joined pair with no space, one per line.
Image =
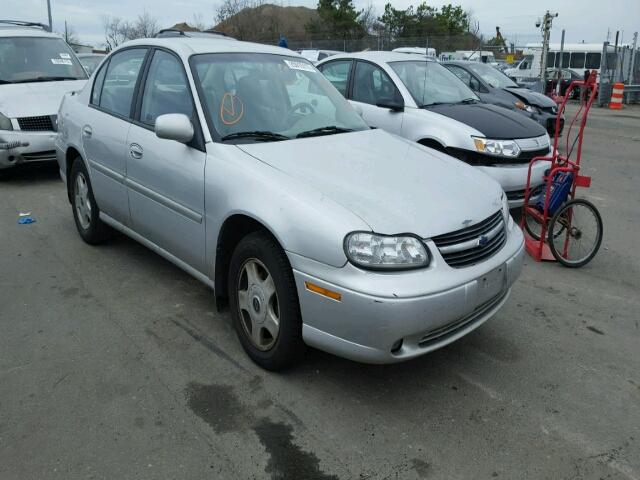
241,164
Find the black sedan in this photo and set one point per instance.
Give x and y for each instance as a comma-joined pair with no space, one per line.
493,86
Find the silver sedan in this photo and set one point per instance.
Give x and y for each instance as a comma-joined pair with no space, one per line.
244,166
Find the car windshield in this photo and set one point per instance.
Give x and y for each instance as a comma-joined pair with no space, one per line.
431,84
264,97
492,76
37,59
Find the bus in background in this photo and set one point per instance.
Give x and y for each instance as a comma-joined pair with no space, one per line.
577,57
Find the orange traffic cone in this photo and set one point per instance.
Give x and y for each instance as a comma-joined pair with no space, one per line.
616,96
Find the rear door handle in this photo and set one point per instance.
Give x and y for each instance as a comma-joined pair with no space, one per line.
135,150
86,131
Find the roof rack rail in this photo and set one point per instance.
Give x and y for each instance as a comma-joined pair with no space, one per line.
182,33
21,23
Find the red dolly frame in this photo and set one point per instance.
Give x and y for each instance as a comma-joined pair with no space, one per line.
539,249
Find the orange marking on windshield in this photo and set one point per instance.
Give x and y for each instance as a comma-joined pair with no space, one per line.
231,109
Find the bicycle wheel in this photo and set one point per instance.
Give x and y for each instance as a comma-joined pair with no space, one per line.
582,227
534,227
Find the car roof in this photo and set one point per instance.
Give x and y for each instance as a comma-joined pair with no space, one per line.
187,46
381,56
13,30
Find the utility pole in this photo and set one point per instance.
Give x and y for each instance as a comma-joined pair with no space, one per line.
546,23
49,11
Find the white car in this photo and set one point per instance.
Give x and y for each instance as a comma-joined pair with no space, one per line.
420,100
36,69
315,56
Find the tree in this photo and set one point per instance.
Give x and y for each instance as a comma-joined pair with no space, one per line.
337,19
452,20
118,31
244,26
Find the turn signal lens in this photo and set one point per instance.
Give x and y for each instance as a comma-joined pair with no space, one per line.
312,287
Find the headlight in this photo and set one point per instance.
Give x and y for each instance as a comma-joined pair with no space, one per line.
508,219
503,148
5,123
525,107
385,252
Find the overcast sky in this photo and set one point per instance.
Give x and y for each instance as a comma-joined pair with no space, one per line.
586,20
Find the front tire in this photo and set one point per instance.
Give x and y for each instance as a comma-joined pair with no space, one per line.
85,210
264,302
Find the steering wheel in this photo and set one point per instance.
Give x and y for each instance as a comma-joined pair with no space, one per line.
302,105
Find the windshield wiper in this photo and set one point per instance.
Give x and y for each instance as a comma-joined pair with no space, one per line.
4,82
469,100
46,79
425,105
330,130
262,135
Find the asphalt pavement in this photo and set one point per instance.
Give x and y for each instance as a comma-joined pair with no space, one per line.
114,364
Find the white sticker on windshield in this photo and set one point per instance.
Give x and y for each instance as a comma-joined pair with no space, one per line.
61,61
65,55
296,65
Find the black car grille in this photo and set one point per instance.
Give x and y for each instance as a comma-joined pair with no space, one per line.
481,159
473,244
40,156
519,194
45,123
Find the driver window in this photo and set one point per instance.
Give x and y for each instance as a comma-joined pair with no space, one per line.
166,89
371,85
465,76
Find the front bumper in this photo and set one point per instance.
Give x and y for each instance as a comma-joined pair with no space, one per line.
424,309
41,147
513,179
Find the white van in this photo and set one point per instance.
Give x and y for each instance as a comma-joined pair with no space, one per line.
577,57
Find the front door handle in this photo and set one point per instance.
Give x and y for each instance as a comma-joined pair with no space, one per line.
135,150
86,131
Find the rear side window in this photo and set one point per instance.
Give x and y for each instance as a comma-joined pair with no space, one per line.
120,81
97,85
593,60
338,74
577,60
166,89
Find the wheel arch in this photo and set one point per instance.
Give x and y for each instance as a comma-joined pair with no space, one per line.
232,231
433,143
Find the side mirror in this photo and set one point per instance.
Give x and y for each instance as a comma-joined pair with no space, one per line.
393,104
174,126
358,109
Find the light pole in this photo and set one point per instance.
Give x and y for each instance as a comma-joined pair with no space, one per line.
49,11
546,22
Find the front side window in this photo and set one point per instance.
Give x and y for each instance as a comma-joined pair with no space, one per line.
251,97
37,59
372,85
166,89
338,74
120,81
461,73
526,63
430,83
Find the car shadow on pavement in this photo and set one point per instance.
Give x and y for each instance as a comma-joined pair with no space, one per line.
31,173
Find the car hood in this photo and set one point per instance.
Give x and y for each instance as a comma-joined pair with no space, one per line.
35,99
392,184
530,97
493,121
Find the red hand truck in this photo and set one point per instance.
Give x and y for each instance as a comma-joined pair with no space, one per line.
557,225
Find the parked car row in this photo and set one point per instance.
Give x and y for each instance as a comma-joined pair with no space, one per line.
326,207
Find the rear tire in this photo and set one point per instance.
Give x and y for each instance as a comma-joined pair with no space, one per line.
264,303
86,213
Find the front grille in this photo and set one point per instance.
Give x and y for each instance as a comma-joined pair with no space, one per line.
519,194
439,334
45,123
40,156
473,244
